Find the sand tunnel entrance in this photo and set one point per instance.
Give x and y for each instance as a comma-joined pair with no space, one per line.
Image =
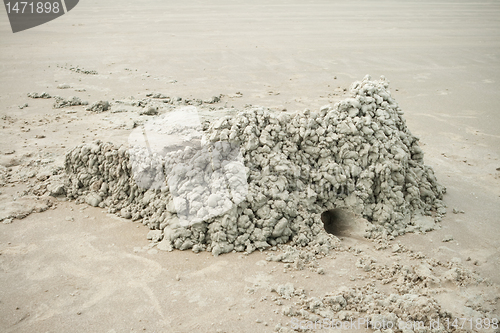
338,221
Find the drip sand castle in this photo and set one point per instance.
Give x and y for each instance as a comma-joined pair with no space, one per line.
260,178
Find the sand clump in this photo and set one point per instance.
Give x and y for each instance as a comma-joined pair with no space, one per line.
99,106
71,101
35,95
260,179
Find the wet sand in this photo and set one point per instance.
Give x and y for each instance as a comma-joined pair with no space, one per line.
80,269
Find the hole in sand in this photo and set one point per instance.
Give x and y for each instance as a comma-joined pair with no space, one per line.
337,221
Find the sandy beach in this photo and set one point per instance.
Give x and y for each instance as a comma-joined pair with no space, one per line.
73,267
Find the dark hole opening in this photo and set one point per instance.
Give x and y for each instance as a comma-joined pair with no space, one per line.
336,221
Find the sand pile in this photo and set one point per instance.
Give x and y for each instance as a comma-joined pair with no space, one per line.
260,178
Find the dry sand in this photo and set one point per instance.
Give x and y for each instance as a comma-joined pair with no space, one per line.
75,267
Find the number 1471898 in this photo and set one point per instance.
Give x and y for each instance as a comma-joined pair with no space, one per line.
32,7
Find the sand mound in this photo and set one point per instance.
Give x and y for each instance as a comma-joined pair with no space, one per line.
260,178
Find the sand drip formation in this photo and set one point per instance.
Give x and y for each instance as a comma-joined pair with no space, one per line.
261,178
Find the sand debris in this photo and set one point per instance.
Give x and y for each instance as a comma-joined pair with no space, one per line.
99,106
72,101
37,95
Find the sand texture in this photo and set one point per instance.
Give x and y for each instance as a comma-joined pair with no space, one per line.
229,167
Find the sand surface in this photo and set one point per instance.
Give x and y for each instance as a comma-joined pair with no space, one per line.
74,267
